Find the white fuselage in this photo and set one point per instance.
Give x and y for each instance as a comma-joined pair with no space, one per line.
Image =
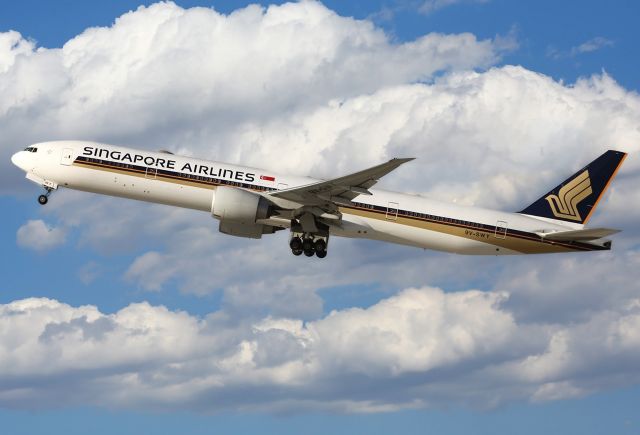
191,183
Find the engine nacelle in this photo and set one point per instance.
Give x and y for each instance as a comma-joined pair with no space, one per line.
238,210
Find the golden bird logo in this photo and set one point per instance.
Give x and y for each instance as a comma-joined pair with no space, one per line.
565,204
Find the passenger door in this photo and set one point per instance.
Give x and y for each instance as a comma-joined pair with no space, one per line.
501,229
392,211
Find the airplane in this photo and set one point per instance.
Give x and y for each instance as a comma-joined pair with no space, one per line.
250,202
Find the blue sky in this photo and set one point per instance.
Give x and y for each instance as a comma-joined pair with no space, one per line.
113,253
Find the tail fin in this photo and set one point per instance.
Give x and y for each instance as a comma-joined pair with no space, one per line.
577,197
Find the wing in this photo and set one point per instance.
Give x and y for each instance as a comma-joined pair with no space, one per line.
328,195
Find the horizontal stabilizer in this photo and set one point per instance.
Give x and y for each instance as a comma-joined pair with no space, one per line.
580,235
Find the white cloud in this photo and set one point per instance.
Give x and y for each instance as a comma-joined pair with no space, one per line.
421,347
430,6
416,331
12,45
593,44
571,288
255,276
39,236
168,77
461,128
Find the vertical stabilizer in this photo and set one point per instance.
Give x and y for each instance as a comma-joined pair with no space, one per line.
577,197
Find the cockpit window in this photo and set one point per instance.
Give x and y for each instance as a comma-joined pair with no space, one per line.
31,149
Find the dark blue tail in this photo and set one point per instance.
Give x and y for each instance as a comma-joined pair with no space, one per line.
577,197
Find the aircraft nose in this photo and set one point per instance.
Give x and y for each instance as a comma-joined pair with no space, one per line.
18,159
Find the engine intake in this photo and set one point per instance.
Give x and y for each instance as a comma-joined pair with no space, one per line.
238,210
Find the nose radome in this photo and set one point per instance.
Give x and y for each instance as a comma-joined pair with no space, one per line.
18,159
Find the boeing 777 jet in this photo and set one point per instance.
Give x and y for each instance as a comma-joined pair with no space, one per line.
251,202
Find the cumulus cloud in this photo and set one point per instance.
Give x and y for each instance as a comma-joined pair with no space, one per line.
421,347
462,128
39,236
12,45
189,77
561,289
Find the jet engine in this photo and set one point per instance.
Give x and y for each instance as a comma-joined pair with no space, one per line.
238,210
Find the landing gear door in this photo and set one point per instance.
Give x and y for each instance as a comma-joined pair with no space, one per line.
67,157
501,229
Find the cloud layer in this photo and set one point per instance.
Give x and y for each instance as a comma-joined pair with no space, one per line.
168,77
37,235
421,347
